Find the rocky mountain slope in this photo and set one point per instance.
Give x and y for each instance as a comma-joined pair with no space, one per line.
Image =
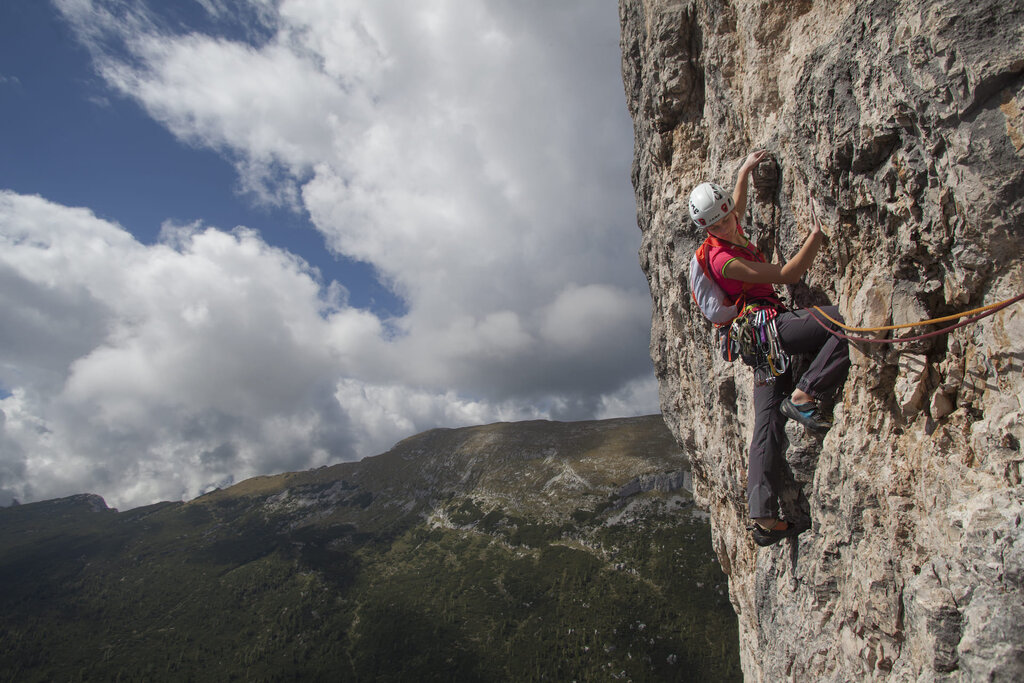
903,118
529,551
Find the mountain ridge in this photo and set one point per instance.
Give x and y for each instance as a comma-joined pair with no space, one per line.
398,567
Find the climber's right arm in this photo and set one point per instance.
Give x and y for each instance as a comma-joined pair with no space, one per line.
786,274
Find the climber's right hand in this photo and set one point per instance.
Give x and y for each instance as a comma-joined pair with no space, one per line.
815,227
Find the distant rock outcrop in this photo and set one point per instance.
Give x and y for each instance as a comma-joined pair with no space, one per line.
903,118
670,481
78,503
540,468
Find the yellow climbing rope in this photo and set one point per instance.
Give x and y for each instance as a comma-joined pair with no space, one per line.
947,318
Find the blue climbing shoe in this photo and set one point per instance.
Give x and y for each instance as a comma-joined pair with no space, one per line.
806,414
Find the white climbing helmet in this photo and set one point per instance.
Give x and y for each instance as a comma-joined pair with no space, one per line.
709,203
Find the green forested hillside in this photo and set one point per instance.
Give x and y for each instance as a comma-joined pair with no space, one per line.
237,586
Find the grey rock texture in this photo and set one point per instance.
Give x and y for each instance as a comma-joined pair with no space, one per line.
903,119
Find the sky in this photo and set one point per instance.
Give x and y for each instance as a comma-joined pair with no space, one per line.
242,237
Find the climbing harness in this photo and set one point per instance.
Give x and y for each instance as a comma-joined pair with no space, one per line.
982,312
754,337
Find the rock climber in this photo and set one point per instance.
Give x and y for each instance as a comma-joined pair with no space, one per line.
740,269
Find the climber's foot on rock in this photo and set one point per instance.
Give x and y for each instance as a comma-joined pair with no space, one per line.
806,414
771,532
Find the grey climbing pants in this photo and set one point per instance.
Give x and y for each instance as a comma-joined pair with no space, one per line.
799,334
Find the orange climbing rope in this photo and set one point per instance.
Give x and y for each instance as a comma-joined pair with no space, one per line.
976,315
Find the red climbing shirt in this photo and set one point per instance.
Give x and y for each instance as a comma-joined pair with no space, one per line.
721,253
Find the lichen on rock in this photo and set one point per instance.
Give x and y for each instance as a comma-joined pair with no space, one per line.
902,119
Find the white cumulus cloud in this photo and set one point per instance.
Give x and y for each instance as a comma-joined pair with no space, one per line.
476,154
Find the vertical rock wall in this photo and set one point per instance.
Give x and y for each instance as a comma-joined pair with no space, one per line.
904,119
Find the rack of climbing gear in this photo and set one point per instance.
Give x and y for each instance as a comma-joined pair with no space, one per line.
972,316
755,337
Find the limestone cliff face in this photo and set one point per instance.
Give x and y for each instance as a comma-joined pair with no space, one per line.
904,119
